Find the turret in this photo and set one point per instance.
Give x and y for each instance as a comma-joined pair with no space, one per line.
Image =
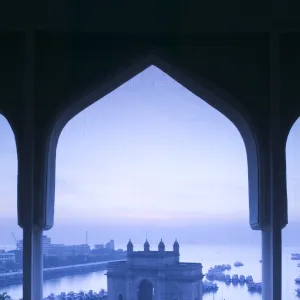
176,247
161,246
176,250
146,246
129,247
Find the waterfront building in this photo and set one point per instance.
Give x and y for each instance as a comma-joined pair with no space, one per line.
69,250
46,244
6,256
50,249
18,255
98,247
110,245
154,275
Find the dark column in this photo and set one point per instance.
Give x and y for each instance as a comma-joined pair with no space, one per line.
34,182
273,176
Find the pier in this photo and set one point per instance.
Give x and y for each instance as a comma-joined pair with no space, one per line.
7,279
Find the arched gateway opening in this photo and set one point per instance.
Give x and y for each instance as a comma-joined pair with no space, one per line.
145,290
161,120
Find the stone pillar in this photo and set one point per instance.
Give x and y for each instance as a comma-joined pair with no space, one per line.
160,284
131,293
200,291
33,179
273,177
111,288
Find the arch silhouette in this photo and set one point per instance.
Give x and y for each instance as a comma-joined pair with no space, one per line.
6,130
291,163
145,290
205,90
8,146
292,147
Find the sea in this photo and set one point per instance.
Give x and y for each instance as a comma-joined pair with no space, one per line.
208,256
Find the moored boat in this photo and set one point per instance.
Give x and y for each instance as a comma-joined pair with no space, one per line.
249,279
235,279
238,264
255,287
295,256
242,279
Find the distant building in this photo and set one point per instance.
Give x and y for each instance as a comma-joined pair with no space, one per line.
99,247
6,256
154,275
46,244
110,245
18,256
69,250
60,249
20,245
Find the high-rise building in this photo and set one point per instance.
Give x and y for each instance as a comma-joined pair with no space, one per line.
110,245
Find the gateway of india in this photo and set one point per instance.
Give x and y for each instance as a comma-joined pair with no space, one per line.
154,275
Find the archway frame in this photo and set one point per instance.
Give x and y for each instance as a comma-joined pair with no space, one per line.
145,280
287,134
205,90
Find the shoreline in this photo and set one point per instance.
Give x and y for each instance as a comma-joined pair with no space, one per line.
16,278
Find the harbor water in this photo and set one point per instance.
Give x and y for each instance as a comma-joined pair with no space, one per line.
208,256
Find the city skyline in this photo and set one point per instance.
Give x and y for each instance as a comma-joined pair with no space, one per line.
150,152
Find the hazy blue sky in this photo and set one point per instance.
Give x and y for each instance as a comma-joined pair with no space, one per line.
151,152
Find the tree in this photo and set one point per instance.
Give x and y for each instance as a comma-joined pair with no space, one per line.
4,296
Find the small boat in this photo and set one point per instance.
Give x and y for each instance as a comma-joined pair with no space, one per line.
227,279
238,264
209,287
255,287
295,256
249,279
235,279
242,279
